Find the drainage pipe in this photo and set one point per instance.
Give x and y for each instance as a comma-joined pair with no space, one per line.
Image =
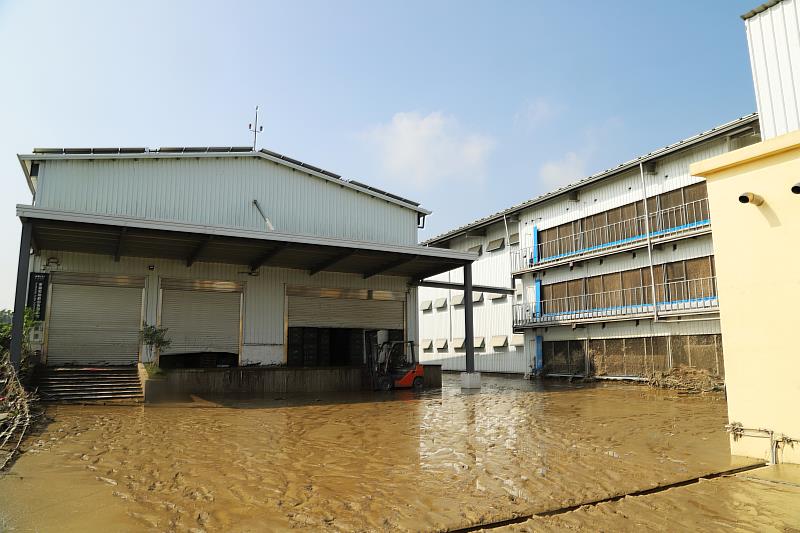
738,432
649,243
508,247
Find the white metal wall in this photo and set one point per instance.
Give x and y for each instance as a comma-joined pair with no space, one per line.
672,172
773,37
220,192
491,317
684,249
511,362
263,295
628,328
493,268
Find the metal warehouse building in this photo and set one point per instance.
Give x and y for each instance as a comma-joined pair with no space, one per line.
612,275
247,257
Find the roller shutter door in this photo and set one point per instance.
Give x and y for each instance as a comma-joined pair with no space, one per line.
312,311
200,321
94,325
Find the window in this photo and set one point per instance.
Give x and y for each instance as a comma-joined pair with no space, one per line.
495,245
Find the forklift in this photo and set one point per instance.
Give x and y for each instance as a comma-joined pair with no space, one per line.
394,365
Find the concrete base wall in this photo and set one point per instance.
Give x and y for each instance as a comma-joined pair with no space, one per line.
259,381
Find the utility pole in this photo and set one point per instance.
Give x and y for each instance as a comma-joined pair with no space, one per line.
255,129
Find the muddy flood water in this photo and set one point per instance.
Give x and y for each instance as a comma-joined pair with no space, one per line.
428,461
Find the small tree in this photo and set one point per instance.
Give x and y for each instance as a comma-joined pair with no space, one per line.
5,339
154,338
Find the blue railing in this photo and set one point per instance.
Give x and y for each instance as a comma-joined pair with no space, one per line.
674,220
679,295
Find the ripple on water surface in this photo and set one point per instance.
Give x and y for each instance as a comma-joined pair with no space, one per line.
400,461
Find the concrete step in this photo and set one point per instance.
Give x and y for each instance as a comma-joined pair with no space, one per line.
87,369
89,384
53,390
94,397
110,381
86,374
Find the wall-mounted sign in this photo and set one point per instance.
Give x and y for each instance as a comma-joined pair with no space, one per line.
37,294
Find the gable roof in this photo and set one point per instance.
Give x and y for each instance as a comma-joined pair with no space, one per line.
729,128
45,154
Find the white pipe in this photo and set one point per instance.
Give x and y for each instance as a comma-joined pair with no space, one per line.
649,243
738,431
508,248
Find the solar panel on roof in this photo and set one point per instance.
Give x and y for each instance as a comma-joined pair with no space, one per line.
385,193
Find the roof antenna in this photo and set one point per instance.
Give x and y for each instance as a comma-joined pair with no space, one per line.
255,129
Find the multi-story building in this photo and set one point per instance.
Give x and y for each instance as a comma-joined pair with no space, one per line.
613,274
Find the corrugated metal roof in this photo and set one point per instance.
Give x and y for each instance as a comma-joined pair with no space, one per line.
231,151
622,167
760,9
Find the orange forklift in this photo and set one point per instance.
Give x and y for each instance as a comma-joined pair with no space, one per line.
395,365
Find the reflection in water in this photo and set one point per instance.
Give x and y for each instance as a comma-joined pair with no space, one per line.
399,461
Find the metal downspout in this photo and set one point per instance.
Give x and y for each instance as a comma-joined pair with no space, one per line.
649,244
508,249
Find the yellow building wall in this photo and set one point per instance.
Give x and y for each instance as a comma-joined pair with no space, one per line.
757,254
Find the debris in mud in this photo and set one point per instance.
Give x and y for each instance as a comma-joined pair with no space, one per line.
15,410
687,379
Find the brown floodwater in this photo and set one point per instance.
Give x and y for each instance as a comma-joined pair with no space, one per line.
751,501
405,461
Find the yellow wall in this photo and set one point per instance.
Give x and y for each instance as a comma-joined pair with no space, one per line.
757,254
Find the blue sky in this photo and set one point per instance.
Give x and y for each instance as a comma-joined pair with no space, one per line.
468,107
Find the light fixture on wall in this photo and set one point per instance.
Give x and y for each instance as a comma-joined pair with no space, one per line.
52,262
750,198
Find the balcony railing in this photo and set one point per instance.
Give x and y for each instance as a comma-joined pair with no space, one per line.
672,298
663,223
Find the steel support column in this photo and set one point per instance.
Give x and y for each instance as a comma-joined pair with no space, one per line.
469,333
18,321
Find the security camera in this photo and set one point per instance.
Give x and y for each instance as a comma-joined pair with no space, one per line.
796,188
750,198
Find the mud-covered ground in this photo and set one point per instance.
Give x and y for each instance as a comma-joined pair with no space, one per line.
763,500
363,462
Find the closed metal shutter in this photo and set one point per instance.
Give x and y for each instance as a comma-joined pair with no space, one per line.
312,311
201,320
94,325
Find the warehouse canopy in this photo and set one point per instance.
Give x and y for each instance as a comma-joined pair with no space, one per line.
117,236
